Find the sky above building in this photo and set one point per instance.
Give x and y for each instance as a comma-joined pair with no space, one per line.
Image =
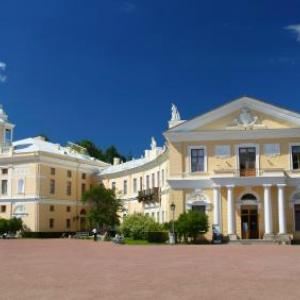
109,70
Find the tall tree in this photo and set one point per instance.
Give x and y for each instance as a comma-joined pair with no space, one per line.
112,152
92,149
103,207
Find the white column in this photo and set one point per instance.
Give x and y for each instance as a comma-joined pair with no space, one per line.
268,209
230,211
217,206
281,209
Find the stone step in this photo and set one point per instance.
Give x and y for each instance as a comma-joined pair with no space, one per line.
253,241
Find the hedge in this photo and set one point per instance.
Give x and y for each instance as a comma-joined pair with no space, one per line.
45,235
157,236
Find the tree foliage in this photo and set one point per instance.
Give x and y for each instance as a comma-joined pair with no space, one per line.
191,224
103,207
137,226
104,155
10,225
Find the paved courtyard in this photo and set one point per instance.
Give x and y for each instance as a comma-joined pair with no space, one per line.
74,269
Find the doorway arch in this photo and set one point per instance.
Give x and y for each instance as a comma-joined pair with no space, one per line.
249,216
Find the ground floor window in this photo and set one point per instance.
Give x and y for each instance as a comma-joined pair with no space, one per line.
51,223
297,217
68,223
199,208
3,208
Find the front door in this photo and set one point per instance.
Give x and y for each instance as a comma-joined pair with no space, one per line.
247,156
249,222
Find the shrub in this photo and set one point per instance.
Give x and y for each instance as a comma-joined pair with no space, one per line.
191,224
11,225
157,236
3,225
136,226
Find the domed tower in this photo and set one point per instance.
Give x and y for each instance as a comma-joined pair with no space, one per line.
6,131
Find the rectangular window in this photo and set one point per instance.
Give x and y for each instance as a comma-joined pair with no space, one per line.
83,188
113,186
52,171
21,186
69,188
199,208
296,157
51,208
162,177
147,182
83,176
52,186
68,208
134,185
3,208
68,223
157,217
4,187
158,179
69,173
4,171
272,149
197,160
141,183
125,187
153,180
51,223
297,217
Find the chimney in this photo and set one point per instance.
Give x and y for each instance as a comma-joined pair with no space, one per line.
116,161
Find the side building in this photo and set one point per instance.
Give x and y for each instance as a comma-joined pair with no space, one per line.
42,182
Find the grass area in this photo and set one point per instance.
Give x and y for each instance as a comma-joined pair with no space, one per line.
136,242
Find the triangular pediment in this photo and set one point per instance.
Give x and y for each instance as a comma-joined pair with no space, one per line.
240,114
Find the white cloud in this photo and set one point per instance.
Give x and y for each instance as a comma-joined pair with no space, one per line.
2,69
295,29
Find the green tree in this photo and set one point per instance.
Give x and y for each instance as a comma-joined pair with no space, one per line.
191,224
103,207
15,224
137,226
112,152
92,149
3,225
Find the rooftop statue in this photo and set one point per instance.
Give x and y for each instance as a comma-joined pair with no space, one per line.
153,143
175,113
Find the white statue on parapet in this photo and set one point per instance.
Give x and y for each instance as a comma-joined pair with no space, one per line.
153,143
175,113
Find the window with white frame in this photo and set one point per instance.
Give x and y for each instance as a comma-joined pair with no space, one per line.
134,185
147,182
296,157
125,187
197,156
162,177
158,179
21,186
141,183
153,180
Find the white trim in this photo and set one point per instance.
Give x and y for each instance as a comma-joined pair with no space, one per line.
241,202
192,147
257,155
225,135
194,199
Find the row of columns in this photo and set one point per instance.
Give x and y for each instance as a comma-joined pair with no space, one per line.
268,216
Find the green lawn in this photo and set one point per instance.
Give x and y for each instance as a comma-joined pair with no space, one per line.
135,242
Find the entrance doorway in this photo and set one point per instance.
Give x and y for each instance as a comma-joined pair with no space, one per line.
249,221
247,158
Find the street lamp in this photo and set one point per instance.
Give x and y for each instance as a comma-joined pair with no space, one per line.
172,236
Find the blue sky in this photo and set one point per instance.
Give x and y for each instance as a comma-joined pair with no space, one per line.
108,70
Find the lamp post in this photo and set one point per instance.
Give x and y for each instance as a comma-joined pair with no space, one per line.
172,236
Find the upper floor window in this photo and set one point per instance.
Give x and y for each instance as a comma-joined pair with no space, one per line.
4,171
52,171
3,208
296,157
141,183
68,209
197,160
147,182
113,185
158,179
52,186
125,187
4,187
69,173
83,176
153,180
134,185
69,188
21,186
51,208
162,177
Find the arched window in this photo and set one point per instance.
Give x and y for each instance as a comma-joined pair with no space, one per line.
248,197
21,186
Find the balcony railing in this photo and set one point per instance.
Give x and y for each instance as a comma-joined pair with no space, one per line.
149,195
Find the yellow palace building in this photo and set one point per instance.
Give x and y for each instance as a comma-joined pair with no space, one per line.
239,163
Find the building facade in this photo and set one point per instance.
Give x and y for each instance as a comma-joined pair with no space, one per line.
239,164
